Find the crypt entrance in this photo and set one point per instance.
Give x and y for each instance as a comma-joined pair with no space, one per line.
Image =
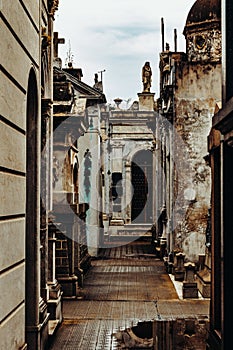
142,185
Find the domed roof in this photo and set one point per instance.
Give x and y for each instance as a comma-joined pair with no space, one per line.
204,10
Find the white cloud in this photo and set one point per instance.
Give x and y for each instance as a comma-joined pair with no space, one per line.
119,36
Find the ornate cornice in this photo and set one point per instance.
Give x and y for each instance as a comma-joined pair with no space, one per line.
53,6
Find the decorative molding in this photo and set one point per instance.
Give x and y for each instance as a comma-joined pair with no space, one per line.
53,6
204,46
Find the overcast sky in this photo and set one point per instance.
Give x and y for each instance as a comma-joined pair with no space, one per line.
119,36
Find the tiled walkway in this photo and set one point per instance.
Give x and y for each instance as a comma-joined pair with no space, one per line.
125,285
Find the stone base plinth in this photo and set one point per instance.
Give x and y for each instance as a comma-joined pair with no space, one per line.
37,335
54,303
146,101
69,286
54,290
170,267
190,290
55,309
179,275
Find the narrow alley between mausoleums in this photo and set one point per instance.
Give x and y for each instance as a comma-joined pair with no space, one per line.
116,191
127,298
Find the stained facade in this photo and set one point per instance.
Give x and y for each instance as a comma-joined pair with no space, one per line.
188,106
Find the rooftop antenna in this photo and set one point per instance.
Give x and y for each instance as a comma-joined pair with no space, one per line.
175,40
69,57
101,79
162,32
101,74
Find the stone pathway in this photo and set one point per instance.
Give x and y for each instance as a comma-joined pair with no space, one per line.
124,286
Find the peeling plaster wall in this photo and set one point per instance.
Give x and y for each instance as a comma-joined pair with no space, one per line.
198,91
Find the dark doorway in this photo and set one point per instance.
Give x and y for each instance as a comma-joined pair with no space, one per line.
141,176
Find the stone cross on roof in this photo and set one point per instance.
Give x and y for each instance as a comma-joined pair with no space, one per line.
56,42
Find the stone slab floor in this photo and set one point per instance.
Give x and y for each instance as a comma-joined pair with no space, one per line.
126,284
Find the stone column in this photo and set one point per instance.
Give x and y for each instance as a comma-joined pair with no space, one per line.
46,105
89,155
157,200
50,289
36,325
128,194
104,183
54,301
117,167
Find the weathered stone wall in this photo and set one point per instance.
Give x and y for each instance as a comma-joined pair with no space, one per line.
198,91
204,45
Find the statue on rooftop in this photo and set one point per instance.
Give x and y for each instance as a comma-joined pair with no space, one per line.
96,79
146,77
98,84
